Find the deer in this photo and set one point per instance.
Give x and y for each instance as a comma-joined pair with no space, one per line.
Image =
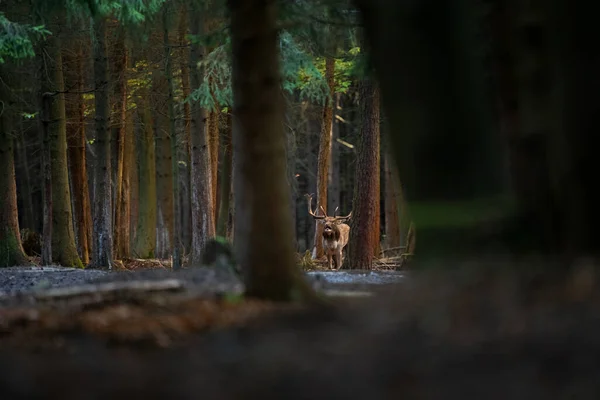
335,233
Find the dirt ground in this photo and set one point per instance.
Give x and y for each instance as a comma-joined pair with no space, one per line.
492,335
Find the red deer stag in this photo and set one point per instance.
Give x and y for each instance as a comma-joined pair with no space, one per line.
335,234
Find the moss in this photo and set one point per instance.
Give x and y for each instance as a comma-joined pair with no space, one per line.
10,254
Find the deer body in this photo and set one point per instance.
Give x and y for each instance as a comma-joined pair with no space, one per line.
335,235
335,238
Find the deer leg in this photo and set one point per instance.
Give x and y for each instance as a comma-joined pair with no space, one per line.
338,257
329,261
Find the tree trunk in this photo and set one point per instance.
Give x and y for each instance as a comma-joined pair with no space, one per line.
64,251
45,99
102,251
364,232
122,197
11,250
76,140
572,148
225,188
176,244
263,237
164,168
392,205
28,221
290,152
334,170
324,155
213,144
144,245
186,91
433,95
203,221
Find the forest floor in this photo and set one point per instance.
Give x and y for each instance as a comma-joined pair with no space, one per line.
439,335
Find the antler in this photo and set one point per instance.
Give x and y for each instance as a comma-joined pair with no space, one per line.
310,211
342,217
335,211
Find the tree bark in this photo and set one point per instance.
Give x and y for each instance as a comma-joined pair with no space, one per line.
334,170
176,245
64,251
76,140
324,155
144,245
213,144
392,204
184,61
164,167
122,248
225,188
11,249
102,249
364,232
263,237
28,221
203,215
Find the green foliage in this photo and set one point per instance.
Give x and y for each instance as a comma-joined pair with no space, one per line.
215,89
126,11
298,70
16,40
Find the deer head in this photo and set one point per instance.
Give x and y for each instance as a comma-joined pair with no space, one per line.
325,219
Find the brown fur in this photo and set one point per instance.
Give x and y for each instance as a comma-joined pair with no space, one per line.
335,238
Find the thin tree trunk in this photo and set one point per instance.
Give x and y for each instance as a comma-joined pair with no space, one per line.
392,204
290,152
324,155
176,245
213,143
102,251
224,204
27,217
364,232
263,237
45,100
11,249
334,170
77,162
164,169
144,245
122,197
203,215
186,204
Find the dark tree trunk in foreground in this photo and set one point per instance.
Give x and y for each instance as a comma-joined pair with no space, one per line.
364,232
431,81
203,221
263,237
11,250
324,156
102,253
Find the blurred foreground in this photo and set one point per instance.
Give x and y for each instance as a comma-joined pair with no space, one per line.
493,332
